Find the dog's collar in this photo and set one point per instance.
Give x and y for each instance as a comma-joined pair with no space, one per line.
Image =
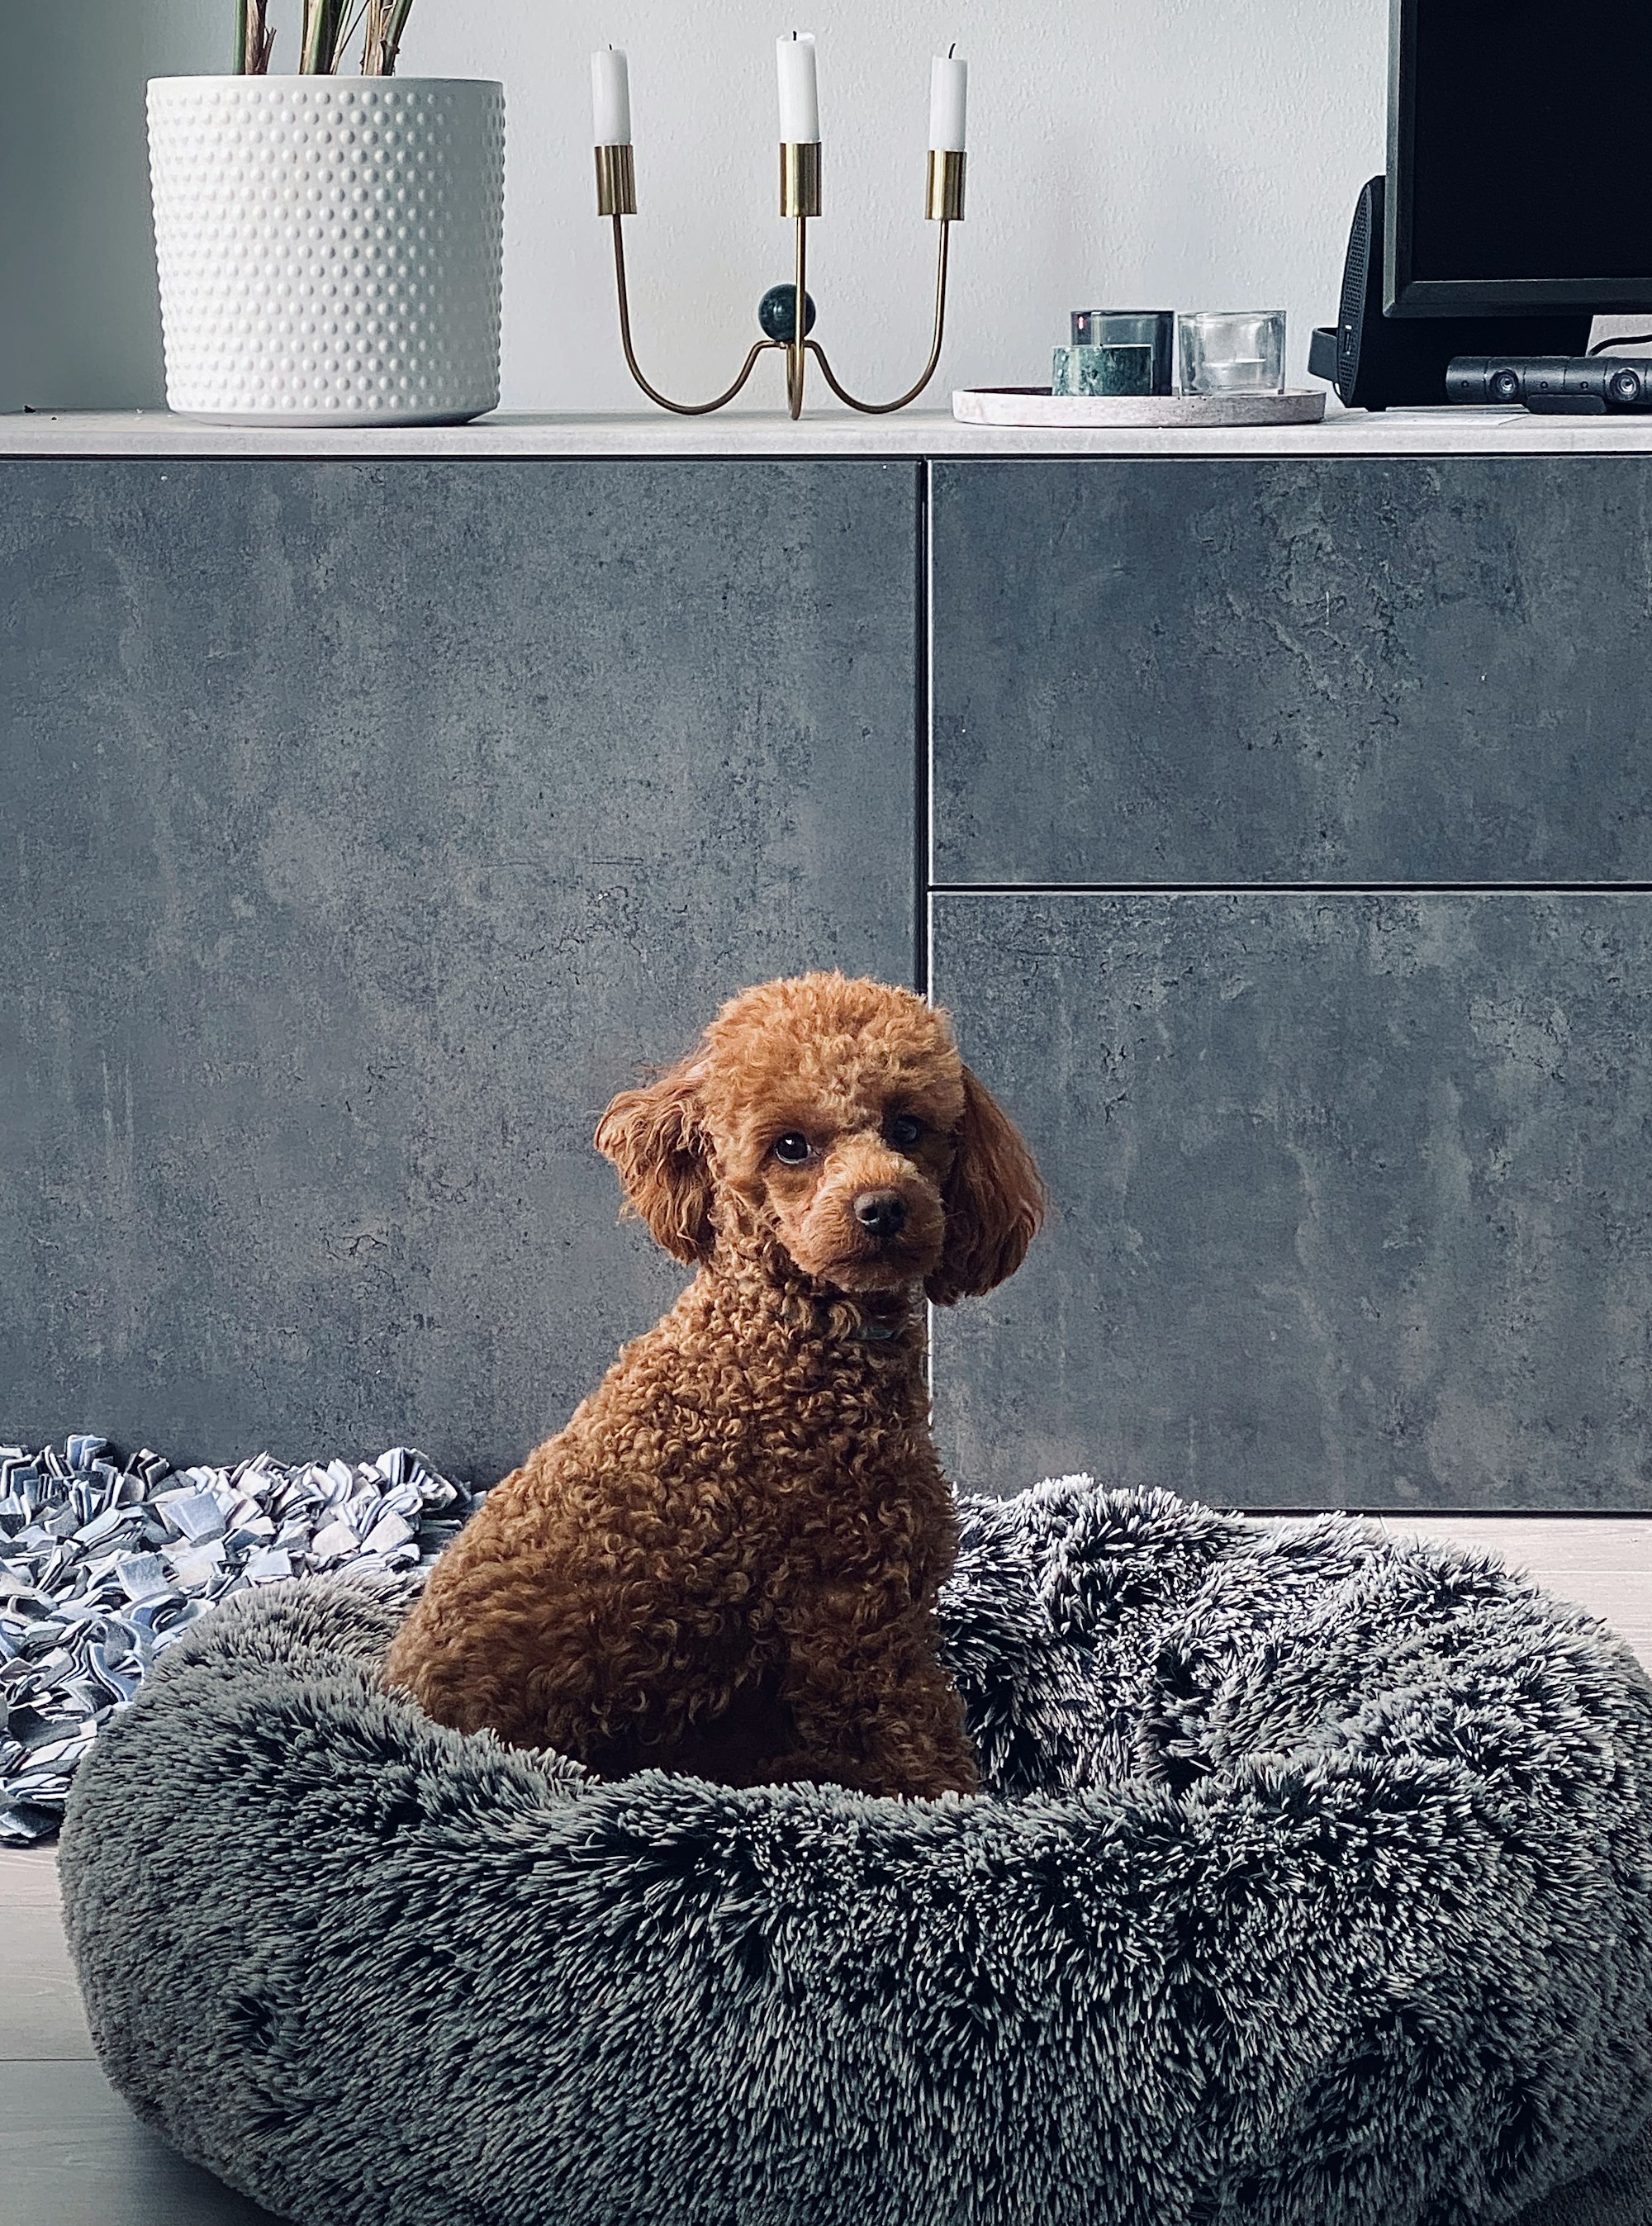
876,1333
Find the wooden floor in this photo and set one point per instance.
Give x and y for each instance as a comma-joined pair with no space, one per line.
72,2154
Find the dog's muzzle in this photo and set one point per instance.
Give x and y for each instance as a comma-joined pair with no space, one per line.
880,1212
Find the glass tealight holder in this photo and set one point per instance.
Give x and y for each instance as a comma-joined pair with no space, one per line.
1232,351
1101,371
1153,328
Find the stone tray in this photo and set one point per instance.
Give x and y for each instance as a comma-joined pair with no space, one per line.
1036,405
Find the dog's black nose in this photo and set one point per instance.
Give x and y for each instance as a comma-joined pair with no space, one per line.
881,1212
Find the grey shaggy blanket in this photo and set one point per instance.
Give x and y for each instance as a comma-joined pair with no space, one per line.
1313,1888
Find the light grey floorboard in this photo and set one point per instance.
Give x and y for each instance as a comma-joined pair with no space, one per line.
72,2154
41,2019
31,1878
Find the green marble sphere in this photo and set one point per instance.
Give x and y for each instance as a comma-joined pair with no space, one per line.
777,314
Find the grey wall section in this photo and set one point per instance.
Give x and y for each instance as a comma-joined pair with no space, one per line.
365,828
1378,671
79,308
1351,1197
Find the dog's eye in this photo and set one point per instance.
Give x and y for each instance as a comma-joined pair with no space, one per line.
904,1130
791,1149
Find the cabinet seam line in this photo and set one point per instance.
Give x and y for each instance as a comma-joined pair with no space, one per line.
923,723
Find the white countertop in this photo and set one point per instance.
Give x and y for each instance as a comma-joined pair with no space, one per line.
1444,432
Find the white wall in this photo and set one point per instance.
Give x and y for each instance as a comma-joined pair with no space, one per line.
1199,154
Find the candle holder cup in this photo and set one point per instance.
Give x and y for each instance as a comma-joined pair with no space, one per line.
1232,351
616,199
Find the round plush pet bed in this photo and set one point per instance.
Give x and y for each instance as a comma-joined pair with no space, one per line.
1313,1888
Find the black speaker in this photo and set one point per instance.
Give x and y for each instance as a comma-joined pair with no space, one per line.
1373,360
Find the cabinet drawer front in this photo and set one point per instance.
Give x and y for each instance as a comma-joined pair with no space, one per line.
1353,1197
366,827
1381,670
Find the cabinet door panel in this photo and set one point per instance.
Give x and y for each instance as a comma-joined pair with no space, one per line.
366,827
1398,669
1351,1197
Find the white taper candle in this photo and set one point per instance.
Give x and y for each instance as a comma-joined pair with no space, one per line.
949,96
799,97
611,96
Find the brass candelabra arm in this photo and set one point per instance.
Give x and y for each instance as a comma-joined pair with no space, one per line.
785,323
664,401
883,409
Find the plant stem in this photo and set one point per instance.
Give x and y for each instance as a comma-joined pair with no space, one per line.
387,21
320,37
253,39
348,33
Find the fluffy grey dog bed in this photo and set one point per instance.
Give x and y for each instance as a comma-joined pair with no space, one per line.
1314,1888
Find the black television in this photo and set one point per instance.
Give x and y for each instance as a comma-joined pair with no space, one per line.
1518,174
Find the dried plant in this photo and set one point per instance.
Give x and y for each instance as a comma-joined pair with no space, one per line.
322,31
328,26
386,20
253,39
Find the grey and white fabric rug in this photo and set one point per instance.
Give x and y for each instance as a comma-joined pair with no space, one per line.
105,1561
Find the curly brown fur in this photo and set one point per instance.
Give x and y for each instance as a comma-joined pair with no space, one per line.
727,1563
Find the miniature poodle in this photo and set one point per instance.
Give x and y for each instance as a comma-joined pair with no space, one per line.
727,1562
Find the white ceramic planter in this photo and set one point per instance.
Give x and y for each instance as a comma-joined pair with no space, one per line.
329,248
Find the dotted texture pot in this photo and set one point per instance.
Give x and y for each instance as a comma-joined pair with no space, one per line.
330,249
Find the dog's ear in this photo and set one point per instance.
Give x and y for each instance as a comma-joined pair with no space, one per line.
994,1201
656,1137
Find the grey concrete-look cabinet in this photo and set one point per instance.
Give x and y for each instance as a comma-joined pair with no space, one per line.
1350,1162
1350,1191
368,824
1391,669
366,827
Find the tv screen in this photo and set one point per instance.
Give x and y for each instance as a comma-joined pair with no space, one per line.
1517,155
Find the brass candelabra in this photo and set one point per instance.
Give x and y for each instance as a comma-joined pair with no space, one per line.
616,199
